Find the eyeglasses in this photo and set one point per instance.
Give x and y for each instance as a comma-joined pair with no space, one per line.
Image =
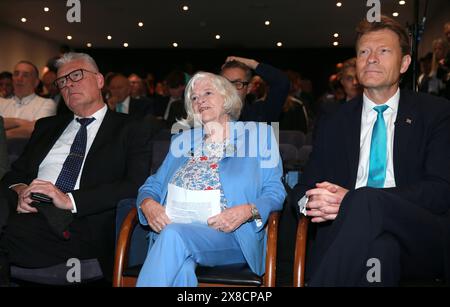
240,84
74,76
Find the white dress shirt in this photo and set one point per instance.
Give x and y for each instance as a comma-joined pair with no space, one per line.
30,108
52,164
368,118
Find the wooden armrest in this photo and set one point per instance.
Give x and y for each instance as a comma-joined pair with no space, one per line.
123,246
271,250
300,252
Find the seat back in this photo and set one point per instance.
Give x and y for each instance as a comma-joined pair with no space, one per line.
58,275
293,137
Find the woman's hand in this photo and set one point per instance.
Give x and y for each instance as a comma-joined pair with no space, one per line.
155,214
231,218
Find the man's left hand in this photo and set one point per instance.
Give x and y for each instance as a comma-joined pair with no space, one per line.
60,199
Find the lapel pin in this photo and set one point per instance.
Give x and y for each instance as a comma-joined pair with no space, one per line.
409,121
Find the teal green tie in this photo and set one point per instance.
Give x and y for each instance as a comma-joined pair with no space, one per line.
378,151
119,108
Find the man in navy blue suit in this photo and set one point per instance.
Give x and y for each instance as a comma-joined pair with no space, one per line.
377,186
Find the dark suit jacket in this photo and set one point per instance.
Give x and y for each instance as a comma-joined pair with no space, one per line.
4,159
117,164
421,153
268,110
140,107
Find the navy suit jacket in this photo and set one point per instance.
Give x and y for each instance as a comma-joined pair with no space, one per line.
421,153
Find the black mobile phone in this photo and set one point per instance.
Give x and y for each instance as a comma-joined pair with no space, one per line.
42,198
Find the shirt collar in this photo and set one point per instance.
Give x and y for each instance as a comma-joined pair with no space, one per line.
99,115
392,102
126,101
24,100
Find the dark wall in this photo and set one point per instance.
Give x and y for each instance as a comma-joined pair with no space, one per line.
314,64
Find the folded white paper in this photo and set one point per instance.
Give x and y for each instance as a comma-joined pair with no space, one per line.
191,206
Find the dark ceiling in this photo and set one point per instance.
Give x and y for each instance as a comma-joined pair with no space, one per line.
240,23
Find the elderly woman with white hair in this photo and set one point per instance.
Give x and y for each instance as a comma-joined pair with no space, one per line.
233,166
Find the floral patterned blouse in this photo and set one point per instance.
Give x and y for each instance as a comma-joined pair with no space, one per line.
201,171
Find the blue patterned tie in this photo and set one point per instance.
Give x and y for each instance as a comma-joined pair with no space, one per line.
378,151
72,165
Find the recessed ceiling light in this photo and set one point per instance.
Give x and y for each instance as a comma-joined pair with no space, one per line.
217,36
185,8
338,4
46,9
140,24
395,14
175,45
402,2
125,45
267,22
89,45
47,28
69,37
336,34
335,43
279,44
109,37
23,19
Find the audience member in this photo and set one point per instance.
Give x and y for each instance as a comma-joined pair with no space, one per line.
85,163
232,234
21,111
377,185
239,72
6,86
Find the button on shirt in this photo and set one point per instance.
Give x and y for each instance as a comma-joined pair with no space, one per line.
368,118
51,166
30,108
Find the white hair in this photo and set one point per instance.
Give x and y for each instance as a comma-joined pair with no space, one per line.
232,102
74,56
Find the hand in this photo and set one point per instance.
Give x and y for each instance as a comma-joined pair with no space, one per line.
60,200
23,202
155,214
324,201
249,62
231,218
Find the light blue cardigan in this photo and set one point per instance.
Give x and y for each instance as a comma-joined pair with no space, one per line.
243,180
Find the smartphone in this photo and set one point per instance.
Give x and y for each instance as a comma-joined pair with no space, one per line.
42,198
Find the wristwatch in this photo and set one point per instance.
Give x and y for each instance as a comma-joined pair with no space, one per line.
255,213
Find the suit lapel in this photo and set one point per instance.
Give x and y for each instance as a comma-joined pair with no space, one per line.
404,124
131,106
46,143
103,133
352,137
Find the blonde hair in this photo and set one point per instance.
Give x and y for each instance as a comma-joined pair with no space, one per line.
232,102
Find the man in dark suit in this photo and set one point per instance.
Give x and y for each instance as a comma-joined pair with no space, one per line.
377,186
85,163
121,101
239,72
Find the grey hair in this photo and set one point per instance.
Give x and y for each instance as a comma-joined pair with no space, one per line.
74,56
232,102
